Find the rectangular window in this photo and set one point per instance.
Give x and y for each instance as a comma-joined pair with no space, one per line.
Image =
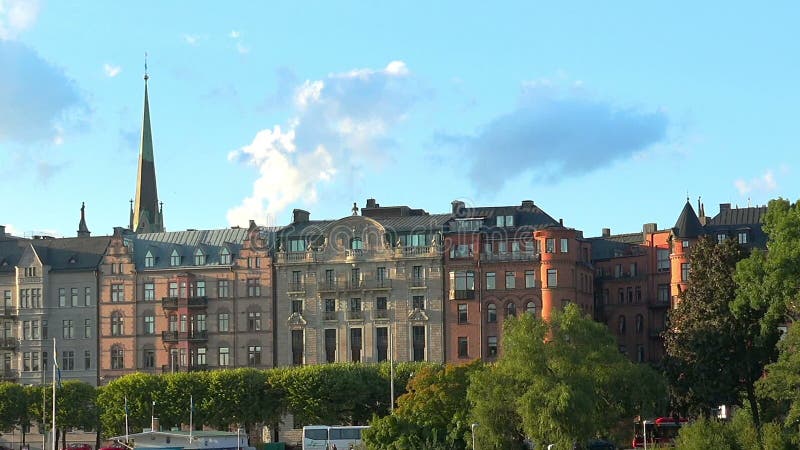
254,321
417,240
462,285
638,294
618,271
490,281
382,343
330,345
149,325
297,347
685,243
418,343
630,294
117,293
662,257
67,329
354,312
24,298
564,245
663,293
223,289
633,269
355,344
87,328
492,345
463,347
685,268
201,357
550,245
552,277
35,361
44,330
26,330
224,357
254,355
173,289
87,359
297,245
621,296
73,294
149,359
62,297
462,313
721,237
254,287
35,329
200,288
530,279
461,251
511,280
417,275
149,292
7,299
743,237
223,322
297,307
26,362
68,360
418,302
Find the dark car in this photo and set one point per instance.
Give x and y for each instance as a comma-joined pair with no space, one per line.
600,444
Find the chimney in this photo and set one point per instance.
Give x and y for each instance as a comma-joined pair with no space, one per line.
2,231
606,232
458,207
561,222
649,228
299,216
724,207
527,204
371,203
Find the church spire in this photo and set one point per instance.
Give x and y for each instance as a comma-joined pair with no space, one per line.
83,230
146,214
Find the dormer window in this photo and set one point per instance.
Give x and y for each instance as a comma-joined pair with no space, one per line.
356,244
199,257
175,258
224,256
149,260
505,221
743,237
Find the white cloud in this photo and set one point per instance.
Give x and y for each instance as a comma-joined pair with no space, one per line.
111,70
191,39
16,16
242,49
342,120
763,183
12,230
235,34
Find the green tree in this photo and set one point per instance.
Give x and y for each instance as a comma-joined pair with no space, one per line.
184,388
559,381
715,347
705,434
434,412
13,405
782,381
146,395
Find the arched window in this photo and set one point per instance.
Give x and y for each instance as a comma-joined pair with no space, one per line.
621,324
356,244
491,311
175,258
530,308
117,324
149,259
199,257
117,357
639,324
224,256
511,309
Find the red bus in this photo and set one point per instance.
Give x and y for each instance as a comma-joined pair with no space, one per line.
658,432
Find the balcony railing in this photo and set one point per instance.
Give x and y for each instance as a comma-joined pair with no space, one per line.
175,336
655,333
328,285
381,314
528,255
385,283
463,294
417,282
355,315
8,343
296,286
356,284
191,302
329,315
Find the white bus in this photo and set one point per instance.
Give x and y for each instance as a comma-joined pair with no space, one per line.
338,437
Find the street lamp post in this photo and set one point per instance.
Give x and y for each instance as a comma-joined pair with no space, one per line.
472,428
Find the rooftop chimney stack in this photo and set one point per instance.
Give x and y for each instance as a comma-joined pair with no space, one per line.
371,203
2,231
724,207
606,232
528,204
649,228
300,216
458,207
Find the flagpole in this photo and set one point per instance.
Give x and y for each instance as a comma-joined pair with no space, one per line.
55,366
126,419
191,416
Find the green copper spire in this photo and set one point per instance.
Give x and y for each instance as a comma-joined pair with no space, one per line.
146,217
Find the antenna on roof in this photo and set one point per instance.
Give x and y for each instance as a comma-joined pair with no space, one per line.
145,67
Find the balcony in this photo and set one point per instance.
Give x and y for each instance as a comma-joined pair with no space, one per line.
417,283
8,343
296,287
378,284
329,315
198,368
8,311
191,302
355,315
354,285
296,257
191,336
328,286
468,294
381,314
659,304
528,255
426,250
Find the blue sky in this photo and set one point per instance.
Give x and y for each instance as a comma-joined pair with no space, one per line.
606,114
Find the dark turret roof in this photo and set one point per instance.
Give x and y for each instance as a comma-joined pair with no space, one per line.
688,225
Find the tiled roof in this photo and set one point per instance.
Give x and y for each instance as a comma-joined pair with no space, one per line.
688,225
78,253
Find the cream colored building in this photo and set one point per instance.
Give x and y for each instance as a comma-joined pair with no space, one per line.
364,288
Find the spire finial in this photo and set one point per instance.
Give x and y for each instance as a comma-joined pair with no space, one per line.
146,77
355,209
